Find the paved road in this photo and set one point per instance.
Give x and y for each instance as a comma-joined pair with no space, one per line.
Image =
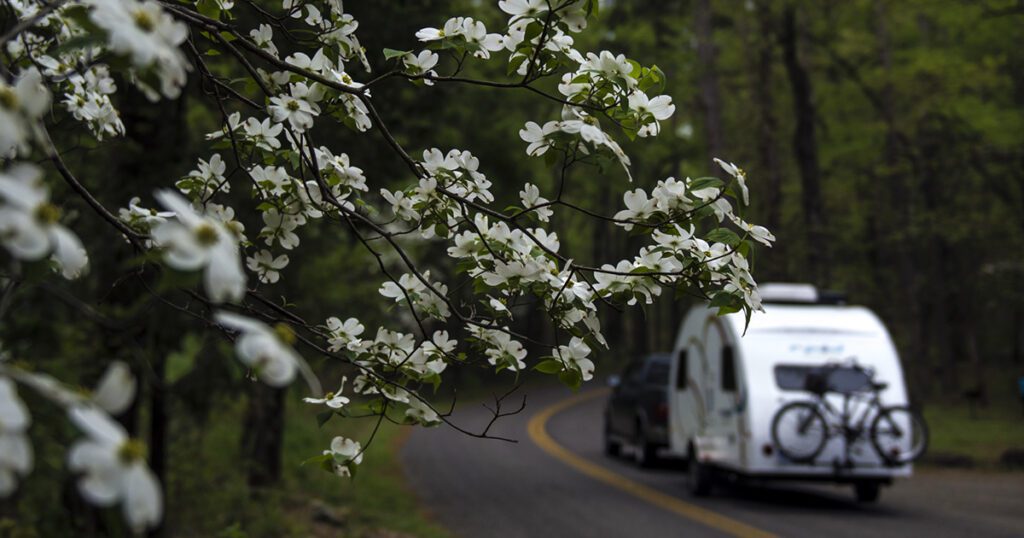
484,488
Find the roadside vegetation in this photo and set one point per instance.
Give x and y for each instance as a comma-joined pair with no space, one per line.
213,499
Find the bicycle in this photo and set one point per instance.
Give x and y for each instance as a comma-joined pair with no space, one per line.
801,429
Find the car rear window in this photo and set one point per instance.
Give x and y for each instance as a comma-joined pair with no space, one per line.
657,373
840,378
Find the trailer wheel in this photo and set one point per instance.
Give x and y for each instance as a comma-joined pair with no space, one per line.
867,491
699,476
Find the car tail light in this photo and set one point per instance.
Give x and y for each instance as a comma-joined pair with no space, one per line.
661,412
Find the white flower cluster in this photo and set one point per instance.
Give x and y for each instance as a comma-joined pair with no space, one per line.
335,28
388,354
143,32
111,466
426,296
465,31
435,203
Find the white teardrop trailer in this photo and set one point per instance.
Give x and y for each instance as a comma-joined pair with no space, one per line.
727,385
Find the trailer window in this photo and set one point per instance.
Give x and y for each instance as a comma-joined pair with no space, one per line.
842,379
728,370
682,374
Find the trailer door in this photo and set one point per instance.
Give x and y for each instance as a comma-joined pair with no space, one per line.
722,386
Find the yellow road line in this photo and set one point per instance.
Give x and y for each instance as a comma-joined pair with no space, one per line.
538,433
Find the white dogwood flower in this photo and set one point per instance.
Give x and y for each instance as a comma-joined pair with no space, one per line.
113,468
638,208
651,111
422,413
344,335
116,389
193,242
421,63
263,36
294,108
739,174
29,226
576,353
146,34
15,450
523,8
530,196
267,350
267,266
334,400
345,454
21,105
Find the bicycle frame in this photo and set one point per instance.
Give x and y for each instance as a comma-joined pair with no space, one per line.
851,420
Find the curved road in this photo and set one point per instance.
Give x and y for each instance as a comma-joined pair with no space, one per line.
556,482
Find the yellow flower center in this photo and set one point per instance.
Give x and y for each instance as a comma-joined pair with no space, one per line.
144,21
47,213
329,396
131,451
206,235
8,99
293,105
285,333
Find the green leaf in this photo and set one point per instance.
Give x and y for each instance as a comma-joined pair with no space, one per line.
549,366
181,362
319,459
571,378
323,417
704,182
208,8
393,53
723,235
514,63
532,31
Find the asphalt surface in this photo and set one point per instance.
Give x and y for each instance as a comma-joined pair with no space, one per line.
488,488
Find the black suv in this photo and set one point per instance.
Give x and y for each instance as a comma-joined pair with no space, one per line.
637,411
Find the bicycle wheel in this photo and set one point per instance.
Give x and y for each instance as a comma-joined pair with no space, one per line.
799,431
899,435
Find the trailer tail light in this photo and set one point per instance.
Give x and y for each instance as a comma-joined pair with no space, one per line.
767,449
661,412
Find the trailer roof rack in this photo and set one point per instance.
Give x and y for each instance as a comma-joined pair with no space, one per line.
788,293
799,293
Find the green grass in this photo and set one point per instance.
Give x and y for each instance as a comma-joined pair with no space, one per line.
209,495
376,498
982,438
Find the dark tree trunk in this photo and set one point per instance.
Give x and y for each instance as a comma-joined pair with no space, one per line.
901,204
158,426
805,148
768,174
707,81
262,436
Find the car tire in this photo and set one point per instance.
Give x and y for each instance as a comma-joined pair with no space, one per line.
867,491
645,454
699,476
612,448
